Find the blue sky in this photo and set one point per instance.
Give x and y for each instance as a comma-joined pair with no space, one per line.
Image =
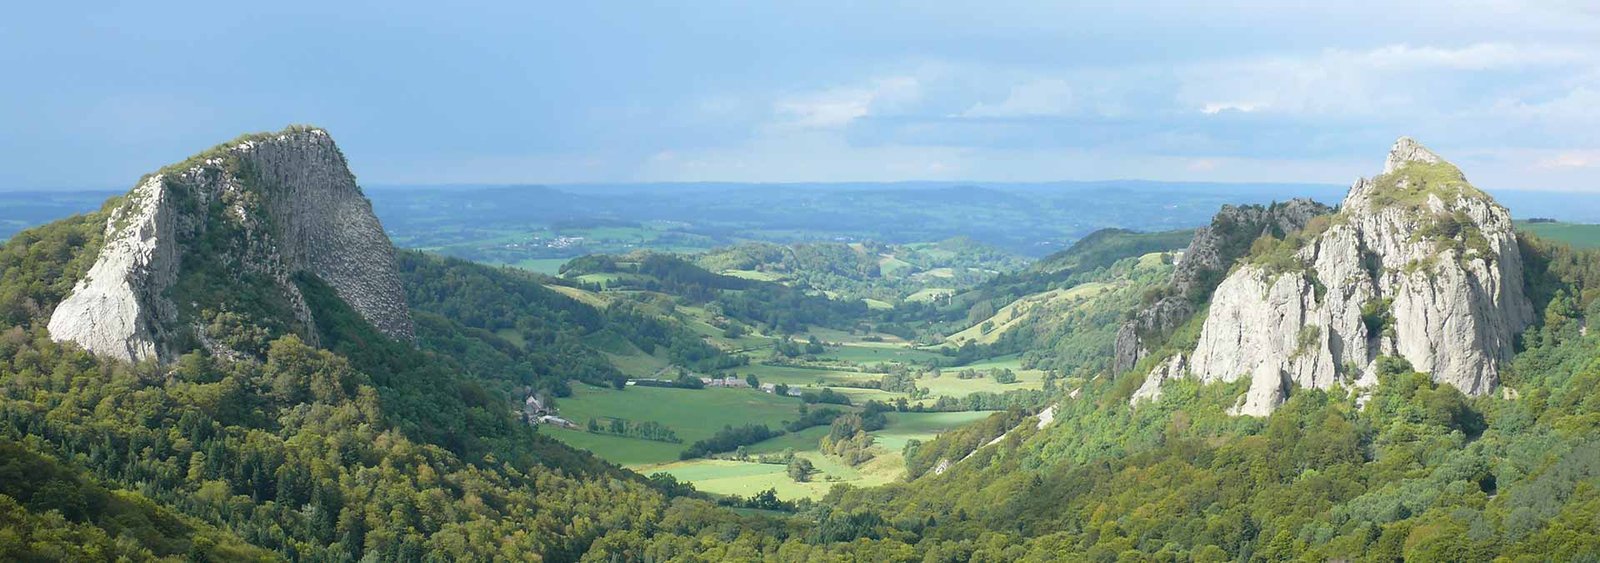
416,92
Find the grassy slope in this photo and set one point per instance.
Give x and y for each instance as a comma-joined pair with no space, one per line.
1017,312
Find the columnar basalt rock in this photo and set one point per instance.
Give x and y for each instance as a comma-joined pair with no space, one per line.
1416,264
258,210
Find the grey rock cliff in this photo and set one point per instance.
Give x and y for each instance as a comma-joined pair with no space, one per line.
1214,249
283,203
1417,264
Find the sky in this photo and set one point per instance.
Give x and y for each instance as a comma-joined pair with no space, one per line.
415,92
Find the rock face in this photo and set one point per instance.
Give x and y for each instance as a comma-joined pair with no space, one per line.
1416,264
227,231
1205,262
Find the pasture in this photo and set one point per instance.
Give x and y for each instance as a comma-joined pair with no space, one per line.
740,478
692,414
1579,235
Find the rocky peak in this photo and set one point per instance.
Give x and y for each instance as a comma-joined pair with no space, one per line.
1407,150
1417,264
202,249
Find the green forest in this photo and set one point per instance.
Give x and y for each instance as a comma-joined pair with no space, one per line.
777,403
349,450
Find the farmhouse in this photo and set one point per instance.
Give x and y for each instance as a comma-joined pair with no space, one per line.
556,421
726,381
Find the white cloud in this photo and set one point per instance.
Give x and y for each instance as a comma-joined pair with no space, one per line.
1315,111
1042,97
1213,108
1581,101
1481,56
839,106
1571,159
1389,79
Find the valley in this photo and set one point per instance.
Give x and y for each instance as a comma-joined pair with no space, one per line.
271,377
772,282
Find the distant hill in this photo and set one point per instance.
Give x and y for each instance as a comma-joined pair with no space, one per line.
884,273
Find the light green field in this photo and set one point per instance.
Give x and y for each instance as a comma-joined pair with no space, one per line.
923,426
1579,235
638,364
626,357
698,319
588,297
951,386
754,275
598,278
692,414
877,305
929,294
550,266
859,339
1152,260
866,354
860,396
806,379
801,377
748,478
513,336
1012,362
802,441
617,449
813,377
893,267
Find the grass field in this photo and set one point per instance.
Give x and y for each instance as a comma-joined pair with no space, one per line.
748,478
1579,235
551,266
858,339
951,386
930,294
588,297
867,354
923,426
894,267
799,376
692,414
626,357
754,275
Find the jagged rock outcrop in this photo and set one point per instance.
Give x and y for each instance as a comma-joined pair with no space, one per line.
1417,264
198,244
1150,390
1214,249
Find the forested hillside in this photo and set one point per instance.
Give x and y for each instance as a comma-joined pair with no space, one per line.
766,304
320,437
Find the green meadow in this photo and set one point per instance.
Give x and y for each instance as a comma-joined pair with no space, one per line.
1579,235
694,414
745,478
